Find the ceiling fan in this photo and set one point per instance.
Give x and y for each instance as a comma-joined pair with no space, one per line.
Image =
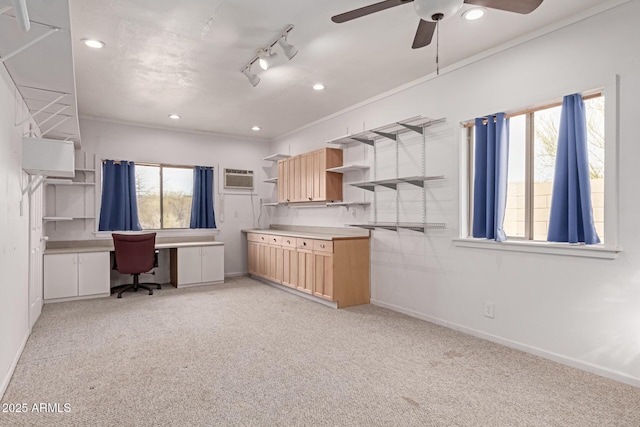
433,11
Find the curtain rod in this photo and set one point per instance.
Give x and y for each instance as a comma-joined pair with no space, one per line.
117,162
471,123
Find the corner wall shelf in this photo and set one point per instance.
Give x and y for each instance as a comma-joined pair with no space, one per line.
57,218
272,204
54,181
276,157
271,180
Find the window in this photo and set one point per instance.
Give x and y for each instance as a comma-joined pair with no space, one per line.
164,196
533,137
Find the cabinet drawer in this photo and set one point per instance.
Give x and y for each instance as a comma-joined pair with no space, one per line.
262,238
253,237
274,240
304,244
323,245
289,242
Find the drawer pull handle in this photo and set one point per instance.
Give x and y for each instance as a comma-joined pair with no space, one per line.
322,246
304,243
288,241
274,240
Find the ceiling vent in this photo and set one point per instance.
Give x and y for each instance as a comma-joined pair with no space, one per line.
238,179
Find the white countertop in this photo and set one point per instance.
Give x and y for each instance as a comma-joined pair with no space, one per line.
107,246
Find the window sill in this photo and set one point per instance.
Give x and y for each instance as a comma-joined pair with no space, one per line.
549,248
163,233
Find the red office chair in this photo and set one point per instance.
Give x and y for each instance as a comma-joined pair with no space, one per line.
134,255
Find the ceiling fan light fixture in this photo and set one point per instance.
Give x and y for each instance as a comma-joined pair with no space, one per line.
474,13
253,79
289,50
436,10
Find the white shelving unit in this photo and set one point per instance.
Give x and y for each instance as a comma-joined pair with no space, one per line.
271,180
392,132
72,199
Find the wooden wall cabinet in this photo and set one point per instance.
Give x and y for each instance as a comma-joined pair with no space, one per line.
304,178
334,270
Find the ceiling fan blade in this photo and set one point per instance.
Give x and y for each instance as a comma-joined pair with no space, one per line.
517,6
367,10
424,34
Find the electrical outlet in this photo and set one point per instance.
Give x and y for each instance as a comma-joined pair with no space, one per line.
489,310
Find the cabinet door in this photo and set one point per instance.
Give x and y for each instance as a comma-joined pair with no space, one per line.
262,269
93,273
297,179
275,264
305,271
323,275
319,175
291,183
289,267
283,181
212,264
310,176
60,276
189,265
252,257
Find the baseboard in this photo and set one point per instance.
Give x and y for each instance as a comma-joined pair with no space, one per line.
236,274
7,379
574,363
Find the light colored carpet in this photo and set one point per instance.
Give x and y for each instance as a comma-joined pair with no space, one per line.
246,354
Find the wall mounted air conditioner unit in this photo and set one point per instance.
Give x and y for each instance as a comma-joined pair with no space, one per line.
238,179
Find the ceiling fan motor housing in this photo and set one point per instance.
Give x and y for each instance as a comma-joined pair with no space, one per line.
436,10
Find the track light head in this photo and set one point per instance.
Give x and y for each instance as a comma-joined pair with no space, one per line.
289,50
266,58
253,79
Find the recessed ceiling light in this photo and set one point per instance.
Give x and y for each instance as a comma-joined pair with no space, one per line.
318,86
174,116
96,44
474,13
255,128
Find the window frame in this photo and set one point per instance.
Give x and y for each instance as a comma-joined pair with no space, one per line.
609,249
162,166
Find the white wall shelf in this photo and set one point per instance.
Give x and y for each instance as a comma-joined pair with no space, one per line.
393,183
392,132
271,180
276,157
348,168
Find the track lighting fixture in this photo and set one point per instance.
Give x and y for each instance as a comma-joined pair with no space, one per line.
253,79
289,50
265,57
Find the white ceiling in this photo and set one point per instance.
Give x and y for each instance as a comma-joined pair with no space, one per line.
184,57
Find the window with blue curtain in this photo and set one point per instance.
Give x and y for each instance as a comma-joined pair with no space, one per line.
490,179
571,218
202,214
119,208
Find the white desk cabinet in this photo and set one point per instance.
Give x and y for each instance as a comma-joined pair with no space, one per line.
73,275
197,265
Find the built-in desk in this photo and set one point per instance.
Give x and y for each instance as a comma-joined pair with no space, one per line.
82,269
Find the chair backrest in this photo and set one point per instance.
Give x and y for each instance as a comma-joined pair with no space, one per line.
134,252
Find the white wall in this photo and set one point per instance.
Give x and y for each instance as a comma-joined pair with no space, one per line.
234,212
14,238
584,312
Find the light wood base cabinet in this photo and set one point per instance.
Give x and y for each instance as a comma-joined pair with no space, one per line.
336,271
